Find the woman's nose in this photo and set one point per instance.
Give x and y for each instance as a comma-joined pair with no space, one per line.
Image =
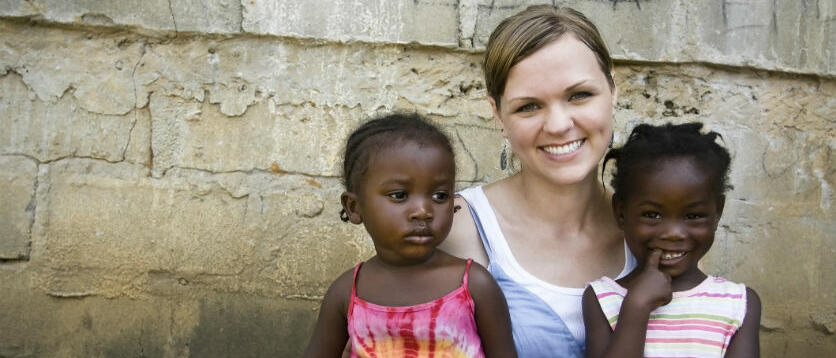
558,119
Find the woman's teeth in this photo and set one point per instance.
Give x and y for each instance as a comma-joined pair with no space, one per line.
563,149
671,255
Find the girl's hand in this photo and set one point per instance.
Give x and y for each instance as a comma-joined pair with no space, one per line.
652,287
647,291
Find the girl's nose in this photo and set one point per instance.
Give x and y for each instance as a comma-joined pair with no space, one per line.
673,230
422,210
558,119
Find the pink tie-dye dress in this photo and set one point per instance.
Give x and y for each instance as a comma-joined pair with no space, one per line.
442,328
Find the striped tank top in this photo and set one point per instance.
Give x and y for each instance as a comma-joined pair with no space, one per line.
442,328
699,322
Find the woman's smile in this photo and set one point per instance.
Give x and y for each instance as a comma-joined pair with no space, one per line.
565,149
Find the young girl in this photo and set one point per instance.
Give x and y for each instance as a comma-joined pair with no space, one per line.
669,188
411,299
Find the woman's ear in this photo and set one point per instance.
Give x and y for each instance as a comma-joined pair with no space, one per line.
351,206
618,210
496,117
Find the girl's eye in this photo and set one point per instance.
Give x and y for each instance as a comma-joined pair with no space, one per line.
651,215
441,196
397,195
696,216
579,96
530,107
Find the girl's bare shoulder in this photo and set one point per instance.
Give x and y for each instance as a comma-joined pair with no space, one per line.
339,292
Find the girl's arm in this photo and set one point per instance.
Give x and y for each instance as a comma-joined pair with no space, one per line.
331,332
649,290
746,342
598,331
491,311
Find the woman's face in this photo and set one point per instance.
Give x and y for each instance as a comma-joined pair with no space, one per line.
557,112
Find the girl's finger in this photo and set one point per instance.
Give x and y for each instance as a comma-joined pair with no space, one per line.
653,259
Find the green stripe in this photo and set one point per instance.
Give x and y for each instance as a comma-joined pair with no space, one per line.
696,315
614,319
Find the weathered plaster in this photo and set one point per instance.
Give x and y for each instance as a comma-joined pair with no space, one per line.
171,169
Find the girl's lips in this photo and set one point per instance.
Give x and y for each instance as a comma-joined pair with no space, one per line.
418,239
419,236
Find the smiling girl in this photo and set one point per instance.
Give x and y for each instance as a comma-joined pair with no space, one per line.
669,186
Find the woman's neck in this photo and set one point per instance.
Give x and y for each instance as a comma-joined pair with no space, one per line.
575,208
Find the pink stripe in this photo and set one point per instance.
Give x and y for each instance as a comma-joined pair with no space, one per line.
717,295
651,327
703,322
606,294
684,340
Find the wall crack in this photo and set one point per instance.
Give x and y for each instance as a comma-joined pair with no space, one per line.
173,19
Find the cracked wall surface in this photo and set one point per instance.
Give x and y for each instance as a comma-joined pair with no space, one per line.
791,36
170,169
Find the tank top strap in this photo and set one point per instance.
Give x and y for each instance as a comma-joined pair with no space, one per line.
353,289
466,271
483,236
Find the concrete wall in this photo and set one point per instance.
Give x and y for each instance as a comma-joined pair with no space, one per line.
170,169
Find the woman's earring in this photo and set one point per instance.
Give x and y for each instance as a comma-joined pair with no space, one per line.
503,157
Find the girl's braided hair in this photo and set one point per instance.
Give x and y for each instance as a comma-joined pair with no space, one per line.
649,144
382,133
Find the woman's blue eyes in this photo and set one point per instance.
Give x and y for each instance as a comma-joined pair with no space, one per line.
531,107
579,96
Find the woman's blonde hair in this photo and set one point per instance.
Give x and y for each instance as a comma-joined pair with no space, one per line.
520,35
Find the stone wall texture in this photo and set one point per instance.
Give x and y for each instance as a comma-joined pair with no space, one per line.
170,168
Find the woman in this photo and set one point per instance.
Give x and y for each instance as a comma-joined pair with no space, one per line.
548,229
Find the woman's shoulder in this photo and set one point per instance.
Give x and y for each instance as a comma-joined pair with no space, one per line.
463,240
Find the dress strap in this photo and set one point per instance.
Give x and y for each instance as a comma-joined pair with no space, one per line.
354,280
466,271
353,289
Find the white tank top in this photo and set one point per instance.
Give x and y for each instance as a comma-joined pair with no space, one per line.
565,301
